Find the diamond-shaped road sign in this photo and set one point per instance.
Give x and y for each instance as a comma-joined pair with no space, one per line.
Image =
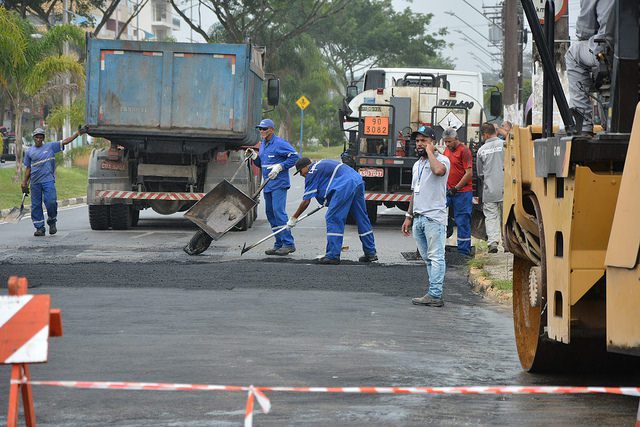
303,102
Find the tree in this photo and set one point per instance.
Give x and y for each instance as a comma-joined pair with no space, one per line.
370,33
270,23
31,67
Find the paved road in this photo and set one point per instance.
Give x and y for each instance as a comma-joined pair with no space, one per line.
136,308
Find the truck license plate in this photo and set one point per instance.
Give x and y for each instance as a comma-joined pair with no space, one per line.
111,165
371,172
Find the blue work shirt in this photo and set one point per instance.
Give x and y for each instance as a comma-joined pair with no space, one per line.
42,161
327,178
272,152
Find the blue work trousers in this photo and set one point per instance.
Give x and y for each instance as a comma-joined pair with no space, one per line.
462,203
430,237
46,191
275,205
342,203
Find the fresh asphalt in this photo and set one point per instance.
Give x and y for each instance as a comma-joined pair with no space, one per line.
137,308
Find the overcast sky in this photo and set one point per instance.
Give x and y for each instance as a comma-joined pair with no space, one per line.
462,52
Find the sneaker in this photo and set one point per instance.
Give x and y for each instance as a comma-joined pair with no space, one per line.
39,232
428,300
368,258
285,250
493,248
327,261
272,251
52,228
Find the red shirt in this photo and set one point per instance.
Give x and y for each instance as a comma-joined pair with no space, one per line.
460,159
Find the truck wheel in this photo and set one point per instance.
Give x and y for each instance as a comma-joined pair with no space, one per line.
135,215
372,212
99,217
120,217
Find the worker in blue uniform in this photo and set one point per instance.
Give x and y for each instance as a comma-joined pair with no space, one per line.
275,158
40,172
341,189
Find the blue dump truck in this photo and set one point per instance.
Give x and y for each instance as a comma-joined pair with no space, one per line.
178,116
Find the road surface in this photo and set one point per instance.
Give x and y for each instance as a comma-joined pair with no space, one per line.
137,308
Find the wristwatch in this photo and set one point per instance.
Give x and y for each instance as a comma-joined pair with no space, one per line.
408,215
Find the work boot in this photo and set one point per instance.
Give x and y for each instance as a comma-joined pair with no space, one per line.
285,250
428,300
368,258
52,228
272,251
327,261
39,232
493,248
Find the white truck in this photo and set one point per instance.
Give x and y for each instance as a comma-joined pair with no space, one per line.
378,123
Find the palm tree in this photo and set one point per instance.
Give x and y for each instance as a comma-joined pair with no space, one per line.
31,62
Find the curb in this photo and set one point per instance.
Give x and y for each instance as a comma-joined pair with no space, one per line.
483,285
61,203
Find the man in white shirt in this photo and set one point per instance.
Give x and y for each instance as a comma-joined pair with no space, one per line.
427,213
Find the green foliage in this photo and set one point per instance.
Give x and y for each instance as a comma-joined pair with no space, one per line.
70,182
502,284
30,65
75,111
371,33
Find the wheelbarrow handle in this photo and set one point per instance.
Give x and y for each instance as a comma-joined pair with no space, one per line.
246,248
259,190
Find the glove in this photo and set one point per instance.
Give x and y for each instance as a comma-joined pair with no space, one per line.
250,152
25,189
451,192
292,222
83,129
275,170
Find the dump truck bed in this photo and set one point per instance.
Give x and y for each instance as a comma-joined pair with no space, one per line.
173,91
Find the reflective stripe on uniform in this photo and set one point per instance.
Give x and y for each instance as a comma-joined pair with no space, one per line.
364,234
335,234
335,170
39,162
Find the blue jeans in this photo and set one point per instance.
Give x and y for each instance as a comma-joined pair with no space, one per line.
46,191
275,205
462,203
430,237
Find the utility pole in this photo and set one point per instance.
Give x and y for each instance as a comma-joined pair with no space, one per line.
511,61
66,95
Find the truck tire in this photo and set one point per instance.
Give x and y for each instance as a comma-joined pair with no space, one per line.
135,216
99,217
372,212
120,217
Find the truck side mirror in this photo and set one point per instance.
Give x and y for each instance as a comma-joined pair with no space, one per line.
496,104
352,92
273,91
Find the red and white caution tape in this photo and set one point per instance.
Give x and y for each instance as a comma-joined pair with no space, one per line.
257,393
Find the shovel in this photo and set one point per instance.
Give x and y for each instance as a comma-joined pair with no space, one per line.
16,214
246,248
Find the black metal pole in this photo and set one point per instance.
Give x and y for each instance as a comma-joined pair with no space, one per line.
548,65
547,92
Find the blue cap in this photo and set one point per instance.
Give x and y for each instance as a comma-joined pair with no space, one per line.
266,123
425,131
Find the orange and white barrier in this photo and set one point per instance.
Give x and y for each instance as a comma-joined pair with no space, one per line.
26,323
258,393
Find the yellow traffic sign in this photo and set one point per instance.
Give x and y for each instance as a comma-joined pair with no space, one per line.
303,102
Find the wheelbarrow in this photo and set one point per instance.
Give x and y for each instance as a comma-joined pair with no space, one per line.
219,211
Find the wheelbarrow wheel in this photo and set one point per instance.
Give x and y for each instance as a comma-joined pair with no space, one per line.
199,243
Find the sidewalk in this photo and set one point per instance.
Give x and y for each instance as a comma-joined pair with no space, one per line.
491,274
61,203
